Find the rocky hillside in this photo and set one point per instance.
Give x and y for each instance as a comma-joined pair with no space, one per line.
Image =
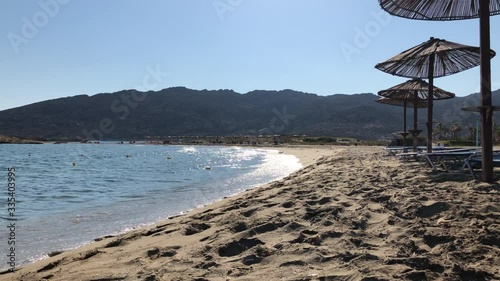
178,111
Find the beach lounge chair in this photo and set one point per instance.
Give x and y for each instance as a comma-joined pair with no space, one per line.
420,154
396,150
444,158
474,162
393,150
406,156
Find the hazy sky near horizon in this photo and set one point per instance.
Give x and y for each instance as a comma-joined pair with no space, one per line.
58,48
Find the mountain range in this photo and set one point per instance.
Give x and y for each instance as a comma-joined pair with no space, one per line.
180,111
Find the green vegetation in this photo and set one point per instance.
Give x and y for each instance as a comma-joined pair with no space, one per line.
458,143
455,134
7,139
320,140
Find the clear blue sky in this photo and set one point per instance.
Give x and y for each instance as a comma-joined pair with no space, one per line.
59,48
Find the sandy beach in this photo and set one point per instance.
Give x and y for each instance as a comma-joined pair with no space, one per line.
352,213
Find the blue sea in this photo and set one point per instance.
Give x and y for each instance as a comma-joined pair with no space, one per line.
69,194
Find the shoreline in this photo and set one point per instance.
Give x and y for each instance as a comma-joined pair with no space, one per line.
300,152
307,154
351,214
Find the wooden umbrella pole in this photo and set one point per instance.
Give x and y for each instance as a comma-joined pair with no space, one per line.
486,112
415,120
430,99
404,112
404,123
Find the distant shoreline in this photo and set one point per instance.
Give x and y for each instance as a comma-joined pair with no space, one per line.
240,140
200,141
16,140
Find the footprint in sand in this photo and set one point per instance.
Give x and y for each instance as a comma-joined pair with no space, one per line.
156,253
315,215
249,213
194,228
432,240
293,226
321,201
432,208
114,243
88,255
251,259
294,263
266,227
237,247
239,227
206,265
49,266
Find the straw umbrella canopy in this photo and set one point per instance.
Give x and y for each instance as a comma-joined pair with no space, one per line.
448,58
405,103
415,90
432,59
438,10
441,10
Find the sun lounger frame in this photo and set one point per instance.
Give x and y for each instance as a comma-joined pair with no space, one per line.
475,159
441,157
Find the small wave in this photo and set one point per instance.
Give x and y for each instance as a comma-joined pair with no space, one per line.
188,149
83,190
57,197
132,196
110,180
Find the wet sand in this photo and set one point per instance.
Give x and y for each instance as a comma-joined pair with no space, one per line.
353,213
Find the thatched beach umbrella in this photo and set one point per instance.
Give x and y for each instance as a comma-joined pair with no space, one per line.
431,59
439,10
415,90
444,10
405,103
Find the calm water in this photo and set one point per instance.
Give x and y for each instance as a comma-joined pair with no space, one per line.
69,194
